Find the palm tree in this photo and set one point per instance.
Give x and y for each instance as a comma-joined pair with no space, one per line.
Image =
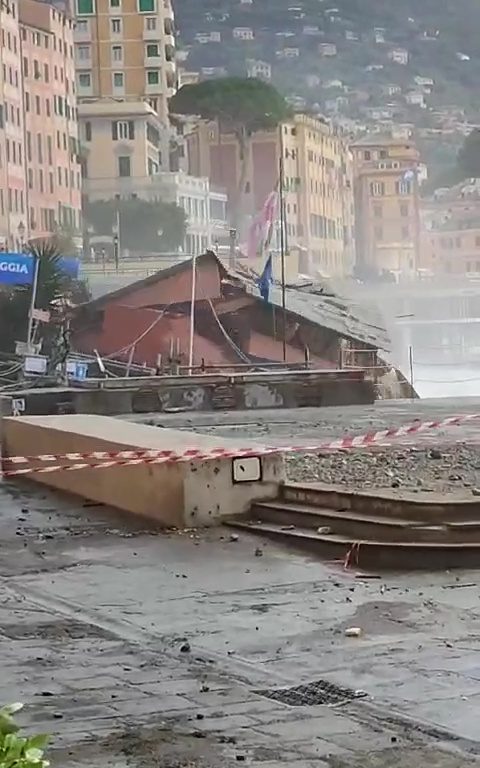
52,284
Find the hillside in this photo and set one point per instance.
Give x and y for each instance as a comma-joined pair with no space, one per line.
354,76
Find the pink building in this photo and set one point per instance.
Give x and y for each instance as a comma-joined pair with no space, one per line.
51,135
13,197
39,168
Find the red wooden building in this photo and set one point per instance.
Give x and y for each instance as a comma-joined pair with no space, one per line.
232,323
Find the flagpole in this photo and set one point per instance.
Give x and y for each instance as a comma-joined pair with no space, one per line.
192,313
33,300
282,245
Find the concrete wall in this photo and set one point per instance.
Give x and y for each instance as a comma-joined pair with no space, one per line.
172,494
200,393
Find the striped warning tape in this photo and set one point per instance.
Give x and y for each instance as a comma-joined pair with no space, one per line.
106,459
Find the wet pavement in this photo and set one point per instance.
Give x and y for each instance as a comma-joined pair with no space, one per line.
140,648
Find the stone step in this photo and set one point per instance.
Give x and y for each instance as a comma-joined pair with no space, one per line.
370,554
406,506
360,526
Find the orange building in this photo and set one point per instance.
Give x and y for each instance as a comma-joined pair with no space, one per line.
386,205
125,49
451,251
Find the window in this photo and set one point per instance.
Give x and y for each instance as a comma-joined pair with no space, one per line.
39,148
27,101
405,232
116,26
124,166
378,233
153,77
404,210
88,131
84,80
114,3
377,211
85,7
37,104
47,107
383,154
29,146
117,53
118,80
46,73
377,188
83,52
49,150
152,50
146,6
403,188
367,155
151,23
477,241
81,25
123,129
25,66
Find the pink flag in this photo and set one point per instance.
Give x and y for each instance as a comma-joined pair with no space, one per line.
261,228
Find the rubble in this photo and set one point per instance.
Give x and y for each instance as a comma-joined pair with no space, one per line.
416,470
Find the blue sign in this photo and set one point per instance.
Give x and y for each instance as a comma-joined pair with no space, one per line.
16,269
70,266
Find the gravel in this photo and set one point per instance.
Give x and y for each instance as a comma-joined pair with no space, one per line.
452,470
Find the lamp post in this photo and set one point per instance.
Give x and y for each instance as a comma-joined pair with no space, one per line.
21,235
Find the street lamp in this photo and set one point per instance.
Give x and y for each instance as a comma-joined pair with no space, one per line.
21,234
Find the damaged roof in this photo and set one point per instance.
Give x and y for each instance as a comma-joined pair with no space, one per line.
311,302
335,313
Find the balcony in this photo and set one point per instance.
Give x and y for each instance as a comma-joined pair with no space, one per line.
152,62
154,89
151,34
83,63
82,35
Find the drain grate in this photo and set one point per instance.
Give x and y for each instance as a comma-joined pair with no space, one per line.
311,694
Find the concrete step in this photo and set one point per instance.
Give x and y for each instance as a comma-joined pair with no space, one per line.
381,503
373,554
360,526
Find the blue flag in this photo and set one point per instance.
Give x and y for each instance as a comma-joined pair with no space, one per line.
266,279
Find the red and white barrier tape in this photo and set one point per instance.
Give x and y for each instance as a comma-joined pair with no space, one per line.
106,459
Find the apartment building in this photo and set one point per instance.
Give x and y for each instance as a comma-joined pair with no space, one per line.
125,155
317,185
386,205
318,173
125,49
39,169
124,147
13,190
51,127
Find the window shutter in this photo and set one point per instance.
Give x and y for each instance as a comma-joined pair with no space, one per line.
114,130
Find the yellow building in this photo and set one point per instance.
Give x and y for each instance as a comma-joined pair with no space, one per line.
319,194
125,49
318,185
122,148
386,205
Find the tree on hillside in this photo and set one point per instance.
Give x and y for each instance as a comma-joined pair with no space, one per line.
53,284
469,156
242,106
144,225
